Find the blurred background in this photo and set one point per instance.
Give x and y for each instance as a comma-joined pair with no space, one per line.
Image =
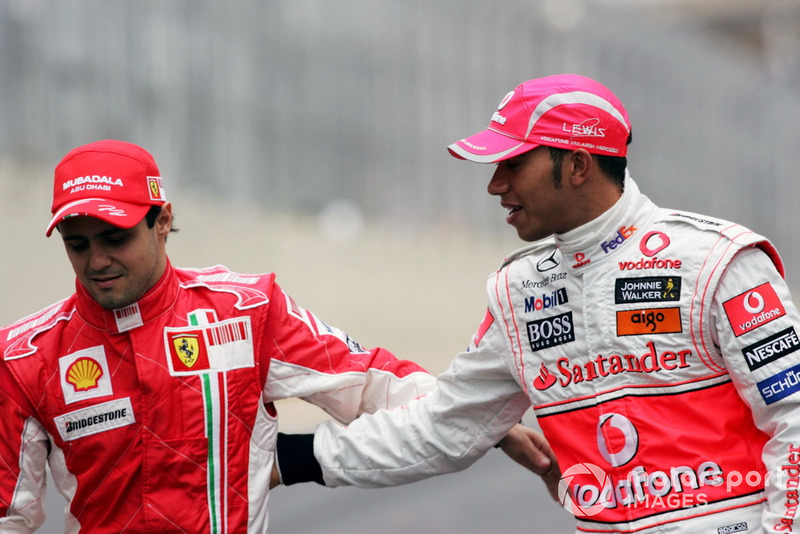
307,137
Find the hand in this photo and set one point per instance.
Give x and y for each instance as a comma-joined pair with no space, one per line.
274,477
530,449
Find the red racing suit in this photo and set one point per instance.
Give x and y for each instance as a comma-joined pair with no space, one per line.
659,351
158,417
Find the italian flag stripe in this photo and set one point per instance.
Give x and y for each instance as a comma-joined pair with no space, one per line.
215,394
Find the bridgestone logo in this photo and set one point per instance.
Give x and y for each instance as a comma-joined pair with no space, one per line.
771,348
95,419
99,419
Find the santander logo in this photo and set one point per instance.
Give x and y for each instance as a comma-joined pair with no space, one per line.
544,380
652,360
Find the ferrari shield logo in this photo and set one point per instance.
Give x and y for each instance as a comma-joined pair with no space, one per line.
187,349
156,192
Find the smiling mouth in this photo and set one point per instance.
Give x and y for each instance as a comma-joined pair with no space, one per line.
512,211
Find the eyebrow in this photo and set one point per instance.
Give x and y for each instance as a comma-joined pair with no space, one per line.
104,233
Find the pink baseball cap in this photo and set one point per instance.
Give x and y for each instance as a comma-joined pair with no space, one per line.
564,111
114,181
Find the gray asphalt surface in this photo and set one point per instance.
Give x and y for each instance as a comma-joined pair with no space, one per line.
493,496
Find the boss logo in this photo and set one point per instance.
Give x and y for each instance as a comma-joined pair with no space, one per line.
551,331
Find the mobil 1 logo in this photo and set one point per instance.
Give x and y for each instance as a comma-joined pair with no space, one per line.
551,331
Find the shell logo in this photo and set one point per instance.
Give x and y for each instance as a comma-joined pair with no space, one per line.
84,373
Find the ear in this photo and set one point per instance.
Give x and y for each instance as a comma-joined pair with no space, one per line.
581,164
163,223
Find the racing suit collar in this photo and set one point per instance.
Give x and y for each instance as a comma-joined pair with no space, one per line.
602,237
155,302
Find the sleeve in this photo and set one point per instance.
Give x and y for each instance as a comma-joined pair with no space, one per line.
756,325
23,454
476,402
326,367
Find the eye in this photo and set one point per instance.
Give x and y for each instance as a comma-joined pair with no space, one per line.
116,239
77,245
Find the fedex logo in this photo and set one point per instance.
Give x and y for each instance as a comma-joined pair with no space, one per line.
753,308
623,234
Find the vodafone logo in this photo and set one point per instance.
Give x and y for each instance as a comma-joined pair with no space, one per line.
753,302
617,439
653,242
754,308
505,100
581,260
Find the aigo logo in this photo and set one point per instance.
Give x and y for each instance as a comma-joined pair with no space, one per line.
599,479
649,321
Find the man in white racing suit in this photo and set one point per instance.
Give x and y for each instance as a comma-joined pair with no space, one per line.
658,348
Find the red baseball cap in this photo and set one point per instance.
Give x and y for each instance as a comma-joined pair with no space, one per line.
114,181
564,111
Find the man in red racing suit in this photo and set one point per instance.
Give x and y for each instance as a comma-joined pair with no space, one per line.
658,348
149,392
159,414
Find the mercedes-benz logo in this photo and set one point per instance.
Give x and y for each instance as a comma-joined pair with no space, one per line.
548,263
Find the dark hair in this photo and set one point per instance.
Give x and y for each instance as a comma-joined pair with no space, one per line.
612,166
152,215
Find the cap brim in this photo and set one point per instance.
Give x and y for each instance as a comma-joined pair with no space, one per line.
119,214
489,146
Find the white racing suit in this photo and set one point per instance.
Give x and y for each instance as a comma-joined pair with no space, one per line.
659,352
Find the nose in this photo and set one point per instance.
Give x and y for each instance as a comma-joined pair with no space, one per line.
99,258
498,184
